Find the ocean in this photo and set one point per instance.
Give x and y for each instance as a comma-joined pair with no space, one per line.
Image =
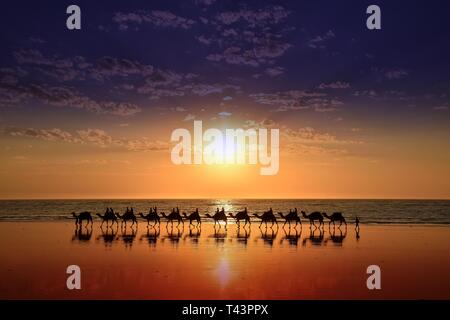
368,211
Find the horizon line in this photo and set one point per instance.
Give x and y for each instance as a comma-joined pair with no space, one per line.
223,198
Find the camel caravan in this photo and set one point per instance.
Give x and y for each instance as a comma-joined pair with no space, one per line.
268,218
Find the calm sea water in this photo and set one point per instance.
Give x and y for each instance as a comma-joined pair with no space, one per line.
369,211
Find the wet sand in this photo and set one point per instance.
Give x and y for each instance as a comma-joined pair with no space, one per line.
214,264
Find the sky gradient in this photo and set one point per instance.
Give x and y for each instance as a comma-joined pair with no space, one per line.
89,113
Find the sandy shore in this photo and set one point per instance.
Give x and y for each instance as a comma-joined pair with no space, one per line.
214,264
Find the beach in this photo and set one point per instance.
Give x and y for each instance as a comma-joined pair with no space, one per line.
214,263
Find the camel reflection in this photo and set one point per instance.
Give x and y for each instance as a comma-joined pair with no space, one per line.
82,234
174,234
220,234
128,235
194,233
292,236
151,235
338,237
314,239
242,235
268,234
109,235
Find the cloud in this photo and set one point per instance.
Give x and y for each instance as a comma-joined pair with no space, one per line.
274,71
201,89
395,74
205,2
224,114
305,140
297,100
254,18
441,108
11,95
319,41
156,18
334,85
189,117
96,137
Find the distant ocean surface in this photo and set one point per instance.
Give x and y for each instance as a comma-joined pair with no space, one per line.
369,211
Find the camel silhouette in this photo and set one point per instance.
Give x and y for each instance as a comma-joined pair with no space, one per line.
194,216
85,215
152,215
219,216
316,215
266,217
127,216
291,217
336,216
108,216
241,215
173,216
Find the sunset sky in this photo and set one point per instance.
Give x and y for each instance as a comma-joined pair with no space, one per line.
89,113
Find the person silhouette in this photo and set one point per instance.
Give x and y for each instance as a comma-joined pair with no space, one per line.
132,211
357,222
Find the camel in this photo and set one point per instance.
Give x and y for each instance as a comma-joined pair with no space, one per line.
85,215
291,217
316,215
128,215
174,215
267,216
152,215
194,216
336,216
218,216
241,215
109,215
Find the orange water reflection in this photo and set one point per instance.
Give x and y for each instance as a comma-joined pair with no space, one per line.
216,263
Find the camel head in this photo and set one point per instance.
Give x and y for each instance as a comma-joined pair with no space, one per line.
304,214
231,215
184,214
74,214
325,215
